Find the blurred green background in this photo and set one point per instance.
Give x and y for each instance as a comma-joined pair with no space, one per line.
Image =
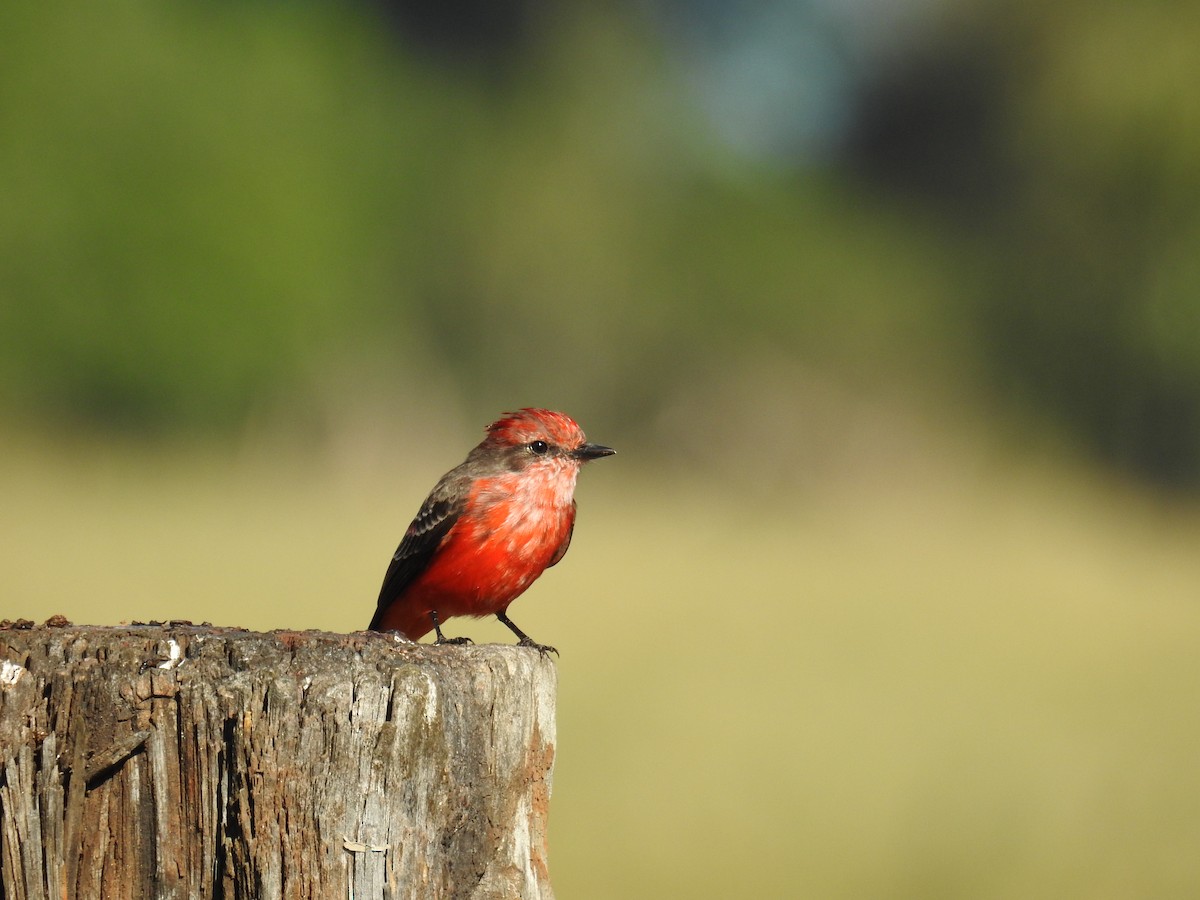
892,311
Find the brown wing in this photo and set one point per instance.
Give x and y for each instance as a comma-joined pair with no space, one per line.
433,522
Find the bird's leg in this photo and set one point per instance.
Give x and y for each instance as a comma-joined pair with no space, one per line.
524,640
441,638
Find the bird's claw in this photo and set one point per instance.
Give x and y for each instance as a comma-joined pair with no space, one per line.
544,649
454,640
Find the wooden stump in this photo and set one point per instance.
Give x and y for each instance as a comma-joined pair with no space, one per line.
180,761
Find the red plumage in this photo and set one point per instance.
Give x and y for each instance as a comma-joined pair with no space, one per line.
489,527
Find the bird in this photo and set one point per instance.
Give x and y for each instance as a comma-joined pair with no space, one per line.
489,528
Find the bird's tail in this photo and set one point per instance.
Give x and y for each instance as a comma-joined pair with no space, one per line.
411,621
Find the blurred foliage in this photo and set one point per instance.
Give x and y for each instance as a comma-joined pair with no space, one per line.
217,205
188,204
1063,155
196,206
1096,303
216,212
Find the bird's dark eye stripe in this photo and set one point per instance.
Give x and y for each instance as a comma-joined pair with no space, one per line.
539,447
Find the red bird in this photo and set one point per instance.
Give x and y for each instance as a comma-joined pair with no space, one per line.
489,528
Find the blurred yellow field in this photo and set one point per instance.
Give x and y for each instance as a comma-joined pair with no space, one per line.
984,685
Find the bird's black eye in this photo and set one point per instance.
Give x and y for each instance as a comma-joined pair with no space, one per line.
538,447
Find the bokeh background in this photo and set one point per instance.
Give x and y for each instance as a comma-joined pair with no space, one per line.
891,309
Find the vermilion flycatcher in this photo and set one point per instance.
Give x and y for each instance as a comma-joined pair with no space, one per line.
489,528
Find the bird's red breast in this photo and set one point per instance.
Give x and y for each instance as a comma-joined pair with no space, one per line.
510,532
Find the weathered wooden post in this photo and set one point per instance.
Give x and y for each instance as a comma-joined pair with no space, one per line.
185,762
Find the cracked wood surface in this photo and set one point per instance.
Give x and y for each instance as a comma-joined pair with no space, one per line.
180,761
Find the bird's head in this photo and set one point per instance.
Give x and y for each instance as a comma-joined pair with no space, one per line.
530,436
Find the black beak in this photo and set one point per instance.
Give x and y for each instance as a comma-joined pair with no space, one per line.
592,451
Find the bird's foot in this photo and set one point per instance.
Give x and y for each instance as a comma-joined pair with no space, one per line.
544,649
524,640
441,638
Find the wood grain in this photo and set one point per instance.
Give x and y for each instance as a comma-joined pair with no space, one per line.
182,762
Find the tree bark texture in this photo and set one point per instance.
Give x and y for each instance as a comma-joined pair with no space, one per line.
184,762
